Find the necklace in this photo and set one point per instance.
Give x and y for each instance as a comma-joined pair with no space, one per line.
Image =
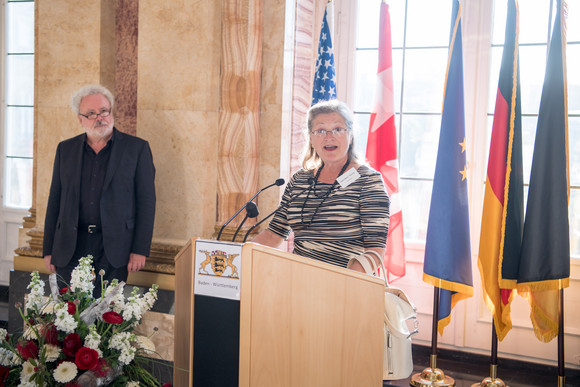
323,195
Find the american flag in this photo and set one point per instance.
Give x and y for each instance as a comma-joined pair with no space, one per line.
324,87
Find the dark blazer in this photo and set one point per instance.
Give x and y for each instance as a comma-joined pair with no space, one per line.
127,200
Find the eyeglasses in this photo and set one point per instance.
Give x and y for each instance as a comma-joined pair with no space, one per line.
93,116
336,132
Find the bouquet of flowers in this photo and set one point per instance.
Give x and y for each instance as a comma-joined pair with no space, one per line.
72,339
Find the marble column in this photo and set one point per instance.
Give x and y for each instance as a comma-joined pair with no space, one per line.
239,120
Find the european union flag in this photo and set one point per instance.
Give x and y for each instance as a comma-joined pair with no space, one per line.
324,87
447,262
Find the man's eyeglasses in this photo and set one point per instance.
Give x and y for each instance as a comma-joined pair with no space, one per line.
93,116
334,132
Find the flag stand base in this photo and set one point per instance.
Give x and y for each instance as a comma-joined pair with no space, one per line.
491,381
432,376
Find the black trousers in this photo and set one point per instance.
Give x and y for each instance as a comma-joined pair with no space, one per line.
91,244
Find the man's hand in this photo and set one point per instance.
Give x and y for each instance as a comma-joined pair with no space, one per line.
50,267
136,262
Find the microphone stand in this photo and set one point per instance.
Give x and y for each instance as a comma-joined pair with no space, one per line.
278,182
257,224
310,183
251,212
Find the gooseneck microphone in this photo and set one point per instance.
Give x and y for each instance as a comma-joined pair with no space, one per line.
251,212
257,224
310,183
278,183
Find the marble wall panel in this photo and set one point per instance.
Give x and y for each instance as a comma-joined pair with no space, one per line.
179,55
178,86
272,86
68,49
67,57
185,154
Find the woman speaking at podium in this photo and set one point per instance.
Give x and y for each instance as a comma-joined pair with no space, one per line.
336,206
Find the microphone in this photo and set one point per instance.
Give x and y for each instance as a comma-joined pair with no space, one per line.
310,183
278,183
251,212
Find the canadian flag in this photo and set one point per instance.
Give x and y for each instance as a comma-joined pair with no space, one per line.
382,148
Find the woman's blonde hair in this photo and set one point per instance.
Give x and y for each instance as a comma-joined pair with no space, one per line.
310,159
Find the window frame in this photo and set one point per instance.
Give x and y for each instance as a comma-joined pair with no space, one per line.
477,23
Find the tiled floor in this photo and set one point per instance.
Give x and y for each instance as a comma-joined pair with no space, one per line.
468,369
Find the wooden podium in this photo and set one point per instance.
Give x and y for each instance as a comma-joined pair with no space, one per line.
301,323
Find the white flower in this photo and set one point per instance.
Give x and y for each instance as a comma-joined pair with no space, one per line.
9,358
137,306
6,357
82,276
144,343
3,333
35,299
51,352
93,340
64,321
27,372
16,360
65,372
133,384
50,307
122,342
31,332
117,302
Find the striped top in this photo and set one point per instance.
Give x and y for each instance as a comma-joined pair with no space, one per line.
336,228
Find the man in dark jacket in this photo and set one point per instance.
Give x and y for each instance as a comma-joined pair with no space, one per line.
102,195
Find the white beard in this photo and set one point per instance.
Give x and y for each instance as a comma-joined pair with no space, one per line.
99,130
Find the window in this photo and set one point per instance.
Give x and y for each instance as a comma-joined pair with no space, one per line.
536,24
18,106
419,65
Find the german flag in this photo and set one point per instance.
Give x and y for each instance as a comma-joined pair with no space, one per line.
544,266
502,219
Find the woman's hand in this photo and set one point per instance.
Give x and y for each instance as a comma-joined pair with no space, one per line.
268,238
368,262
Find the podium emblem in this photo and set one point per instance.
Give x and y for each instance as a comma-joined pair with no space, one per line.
219,261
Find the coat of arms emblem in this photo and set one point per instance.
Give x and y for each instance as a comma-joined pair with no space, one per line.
219,261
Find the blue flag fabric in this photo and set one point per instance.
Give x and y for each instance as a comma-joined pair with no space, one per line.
447,262
324,87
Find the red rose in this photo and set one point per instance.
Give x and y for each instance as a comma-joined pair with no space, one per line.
86,358
72,308
112,318
50,334
63,290
71,344
4,371
167,385
102,368
28,350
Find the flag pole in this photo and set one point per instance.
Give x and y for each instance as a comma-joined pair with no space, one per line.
433,376
492,380
561,368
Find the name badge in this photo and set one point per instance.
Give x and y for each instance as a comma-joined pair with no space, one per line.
348,177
